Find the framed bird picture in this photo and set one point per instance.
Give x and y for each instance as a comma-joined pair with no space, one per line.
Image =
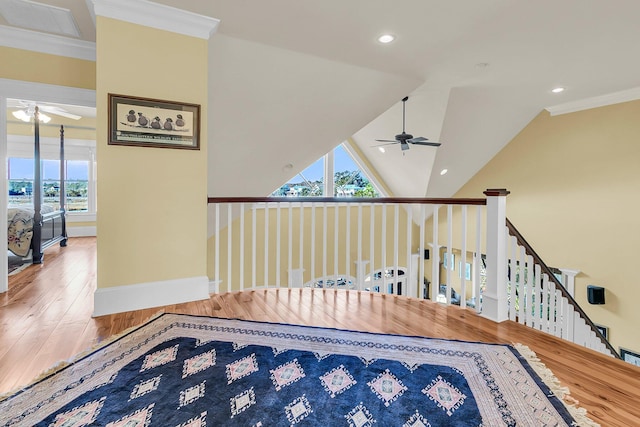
146,122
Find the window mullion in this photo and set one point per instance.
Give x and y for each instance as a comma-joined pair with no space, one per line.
328,174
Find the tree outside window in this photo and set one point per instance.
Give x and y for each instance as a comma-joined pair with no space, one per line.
348,179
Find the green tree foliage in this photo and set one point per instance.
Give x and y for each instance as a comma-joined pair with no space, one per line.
367,191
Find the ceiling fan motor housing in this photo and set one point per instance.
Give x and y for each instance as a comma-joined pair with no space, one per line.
403,136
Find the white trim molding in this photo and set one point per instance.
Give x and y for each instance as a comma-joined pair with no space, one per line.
214,286
20,38
570,279
84,231
154,15
118,299
44,92
596,101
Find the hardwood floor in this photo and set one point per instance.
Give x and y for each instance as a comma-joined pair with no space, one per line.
45,318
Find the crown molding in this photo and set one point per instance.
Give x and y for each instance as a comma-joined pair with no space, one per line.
53,44
154,15
596,101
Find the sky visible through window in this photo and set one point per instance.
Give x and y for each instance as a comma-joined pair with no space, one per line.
19,168
315,172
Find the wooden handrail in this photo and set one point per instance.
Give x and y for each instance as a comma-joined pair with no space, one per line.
546,270
345,200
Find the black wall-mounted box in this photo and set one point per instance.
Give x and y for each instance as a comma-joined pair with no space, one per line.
595,294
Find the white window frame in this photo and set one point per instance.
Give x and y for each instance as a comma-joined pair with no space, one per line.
74,149
329,170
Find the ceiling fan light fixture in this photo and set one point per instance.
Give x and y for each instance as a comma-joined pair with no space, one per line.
21,115
386,38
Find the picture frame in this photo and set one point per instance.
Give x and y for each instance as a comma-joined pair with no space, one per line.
630,356
147,122
467,271
449,261
604,330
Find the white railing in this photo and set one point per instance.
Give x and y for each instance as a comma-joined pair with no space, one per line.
537,299
375,245
379,245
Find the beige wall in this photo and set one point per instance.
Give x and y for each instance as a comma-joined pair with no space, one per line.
152,223
343,268
38,67
574,182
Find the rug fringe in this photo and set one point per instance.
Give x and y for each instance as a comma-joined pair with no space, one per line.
64,363
562,393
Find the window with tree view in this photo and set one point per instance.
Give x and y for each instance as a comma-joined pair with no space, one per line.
348,179
20,173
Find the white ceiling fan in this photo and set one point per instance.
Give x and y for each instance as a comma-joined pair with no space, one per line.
24,110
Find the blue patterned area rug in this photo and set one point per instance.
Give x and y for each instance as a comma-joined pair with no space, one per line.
190,371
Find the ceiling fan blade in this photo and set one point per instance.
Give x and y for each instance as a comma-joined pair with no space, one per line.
387,143
387,140
59,112
429,143
417,139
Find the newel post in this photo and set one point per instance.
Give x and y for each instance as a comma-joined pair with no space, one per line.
494,297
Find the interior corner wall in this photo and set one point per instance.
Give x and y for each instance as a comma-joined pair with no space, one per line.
152,223
574,183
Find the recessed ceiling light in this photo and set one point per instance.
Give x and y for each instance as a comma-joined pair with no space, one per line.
444,171
386,38
557,89
382,150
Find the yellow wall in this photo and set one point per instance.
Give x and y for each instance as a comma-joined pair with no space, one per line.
574,183
152,223
343,268
38,67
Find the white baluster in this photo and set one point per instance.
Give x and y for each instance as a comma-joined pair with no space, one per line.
449,256
217,246
435,263
477,261
253,251
290,239
278,242
242,257
463,260
229,240
530,308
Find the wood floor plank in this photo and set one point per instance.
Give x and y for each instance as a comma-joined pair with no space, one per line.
45,317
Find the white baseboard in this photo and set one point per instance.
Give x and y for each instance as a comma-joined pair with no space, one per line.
118,299
88,231
214,286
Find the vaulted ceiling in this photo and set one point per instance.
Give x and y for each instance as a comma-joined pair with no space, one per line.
290,79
